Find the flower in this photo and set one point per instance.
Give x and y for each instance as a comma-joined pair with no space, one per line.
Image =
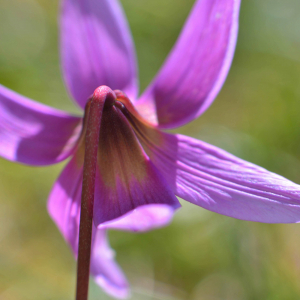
140,167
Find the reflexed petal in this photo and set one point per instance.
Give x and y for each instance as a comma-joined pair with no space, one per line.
125,177
105,270
143,218
64,208
34,134
65,198
96,48
218,181
197,66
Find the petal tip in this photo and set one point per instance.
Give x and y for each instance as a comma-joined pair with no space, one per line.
120,292
143,218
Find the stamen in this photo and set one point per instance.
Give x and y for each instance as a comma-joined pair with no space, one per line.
120,105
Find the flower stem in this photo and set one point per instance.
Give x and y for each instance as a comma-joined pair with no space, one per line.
94,110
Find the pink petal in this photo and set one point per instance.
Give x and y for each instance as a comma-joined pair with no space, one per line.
106,272
218,181
196,68
64,201
96,48
64,208
34,134
125,177
143,218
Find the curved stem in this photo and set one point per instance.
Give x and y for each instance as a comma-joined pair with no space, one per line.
94,110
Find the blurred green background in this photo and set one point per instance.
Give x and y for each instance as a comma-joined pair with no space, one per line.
201,255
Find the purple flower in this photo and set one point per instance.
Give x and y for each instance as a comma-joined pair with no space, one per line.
141,168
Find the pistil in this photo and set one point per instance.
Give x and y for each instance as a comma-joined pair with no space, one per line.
102,96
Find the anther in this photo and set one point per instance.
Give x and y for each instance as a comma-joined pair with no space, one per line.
120,105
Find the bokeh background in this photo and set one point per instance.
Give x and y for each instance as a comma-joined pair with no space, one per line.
201,255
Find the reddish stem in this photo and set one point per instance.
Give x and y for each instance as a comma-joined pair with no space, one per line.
96,105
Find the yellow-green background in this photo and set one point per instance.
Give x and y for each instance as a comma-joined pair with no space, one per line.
201,255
